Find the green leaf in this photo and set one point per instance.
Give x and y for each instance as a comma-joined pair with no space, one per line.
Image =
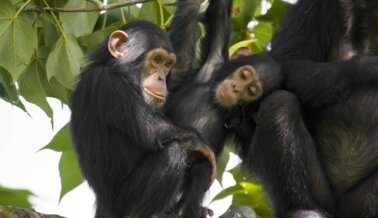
56,90
70,174
51,33
151,11
78,24
263,33
15,197
61,141
240,175
31,87
254,196
134,11
18,40
222,162
275,13
92,41
7,10
52,88
248,193
65,61
256,201
113,16
11,94
243,13
229,191
247,9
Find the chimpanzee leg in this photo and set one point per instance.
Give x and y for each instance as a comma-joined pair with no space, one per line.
361,201
152,187
283,156
196,184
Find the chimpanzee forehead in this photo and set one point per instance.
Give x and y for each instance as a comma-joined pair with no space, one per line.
148,35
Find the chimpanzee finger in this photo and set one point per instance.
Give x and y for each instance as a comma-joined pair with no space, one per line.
208,154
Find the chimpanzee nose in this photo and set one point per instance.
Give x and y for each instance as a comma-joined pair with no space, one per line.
236,88
160,76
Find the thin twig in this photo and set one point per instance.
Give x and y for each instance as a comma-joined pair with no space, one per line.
100,7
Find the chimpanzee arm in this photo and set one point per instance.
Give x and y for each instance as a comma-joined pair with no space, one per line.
316,84
215,44
165,134
183,35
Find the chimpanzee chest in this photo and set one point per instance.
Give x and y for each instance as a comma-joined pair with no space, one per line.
347,138
199,111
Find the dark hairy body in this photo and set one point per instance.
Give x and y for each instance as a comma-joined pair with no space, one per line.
210,97
323,131
129,152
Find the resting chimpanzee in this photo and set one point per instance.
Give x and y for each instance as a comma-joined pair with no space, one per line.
133,158
205,98
316,150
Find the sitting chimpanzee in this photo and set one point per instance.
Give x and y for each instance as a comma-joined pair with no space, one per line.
206,98
316,150
133,158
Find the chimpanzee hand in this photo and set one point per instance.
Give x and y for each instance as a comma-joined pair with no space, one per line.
191,141
204,152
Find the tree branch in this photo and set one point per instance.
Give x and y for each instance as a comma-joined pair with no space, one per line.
100,7
9,211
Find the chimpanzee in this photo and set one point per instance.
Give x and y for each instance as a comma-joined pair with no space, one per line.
315,146
205,98
132,156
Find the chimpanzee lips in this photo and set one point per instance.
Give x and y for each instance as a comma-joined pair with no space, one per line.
155,94
223,94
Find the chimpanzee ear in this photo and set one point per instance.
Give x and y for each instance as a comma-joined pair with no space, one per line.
116,42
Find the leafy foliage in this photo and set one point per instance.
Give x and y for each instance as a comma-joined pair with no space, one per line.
15,197
42,53
70,175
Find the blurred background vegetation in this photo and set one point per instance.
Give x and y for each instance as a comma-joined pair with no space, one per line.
42,52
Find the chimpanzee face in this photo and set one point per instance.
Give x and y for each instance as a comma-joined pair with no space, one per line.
242,86
157,64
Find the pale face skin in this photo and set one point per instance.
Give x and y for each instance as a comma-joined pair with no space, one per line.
158,64
242,86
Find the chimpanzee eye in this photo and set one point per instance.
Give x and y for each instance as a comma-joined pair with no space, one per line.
243,76
157,59
169,64
251,91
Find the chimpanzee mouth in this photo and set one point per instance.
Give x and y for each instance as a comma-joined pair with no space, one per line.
156,95
224,94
